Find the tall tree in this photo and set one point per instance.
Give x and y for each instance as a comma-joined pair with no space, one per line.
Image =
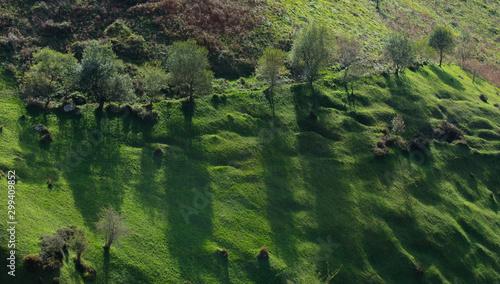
441,39
111,225
399,49
312,51
100,75
349,50
189,68
52,71
271,68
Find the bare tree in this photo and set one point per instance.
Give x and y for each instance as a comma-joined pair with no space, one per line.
111,225
349,50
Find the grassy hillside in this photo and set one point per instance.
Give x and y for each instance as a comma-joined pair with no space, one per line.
233,176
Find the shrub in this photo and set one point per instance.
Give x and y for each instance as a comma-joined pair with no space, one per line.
148,115
52,264
44,131
483,97
88,272
447,132
1,128
47,138
56,281
49,182
264,253
420,142
398,125
33,263
158,151
313,115
223,253
380,152
419,270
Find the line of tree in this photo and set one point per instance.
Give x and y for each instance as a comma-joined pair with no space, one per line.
102,78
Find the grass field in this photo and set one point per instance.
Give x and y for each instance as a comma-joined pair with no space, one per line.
234,176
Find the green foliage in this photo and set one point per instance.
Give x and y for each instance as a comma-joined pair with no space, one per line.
399,50
189,68
51,72
153,79
312,51
441,39
79,243
271,67
99,75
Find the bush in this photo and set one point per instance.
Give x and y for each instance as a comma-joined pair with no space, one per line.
33,263
420,142
380,152
1,128
447,132
49,182
88,272
158,151
223,253
484,98
420,270
263,254
44,131
47,138
52,264
56,281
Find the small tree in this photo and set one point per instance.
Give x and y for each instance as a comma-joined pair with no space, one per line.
349,50
189,68
271,68
398,124
474,67
153,79
441,39
52,71
465,50
111,225
378,2
399,50
312,51
79,243
99,75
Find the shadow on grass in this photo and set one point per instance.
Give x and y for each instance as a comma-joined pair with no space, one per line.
447,78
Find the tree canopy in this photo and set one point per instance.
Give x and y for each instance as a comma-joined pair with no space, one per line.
441,39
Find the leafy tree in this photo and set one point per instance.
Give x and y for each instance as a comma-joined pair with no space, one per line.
399,49
189,68
441,39
79,243
153,79
312,51
52,71
271,68
111,225
100,77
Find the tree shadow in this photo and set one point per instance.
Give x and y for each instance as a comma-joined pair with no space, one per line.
447,78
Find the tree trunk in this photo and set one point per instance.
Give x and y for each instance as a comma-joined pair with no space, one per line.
440,57
378,8
101,104
78,257
107,246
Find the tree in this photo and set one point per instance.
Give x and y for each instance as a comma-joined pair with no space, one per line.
189,68
378,7
111,225
99,75
465,50
153,79
399,49
349,50
312,51
79,243
271,68
441,39
52,71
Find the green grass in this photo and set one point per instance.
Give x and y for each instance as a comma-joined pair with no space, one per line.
285,182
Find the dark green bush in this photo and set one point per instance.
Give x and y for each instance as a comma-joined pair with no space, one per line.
33,263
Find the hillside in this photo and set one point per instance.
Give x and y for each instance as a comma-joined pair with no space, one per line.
312,192
330,190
